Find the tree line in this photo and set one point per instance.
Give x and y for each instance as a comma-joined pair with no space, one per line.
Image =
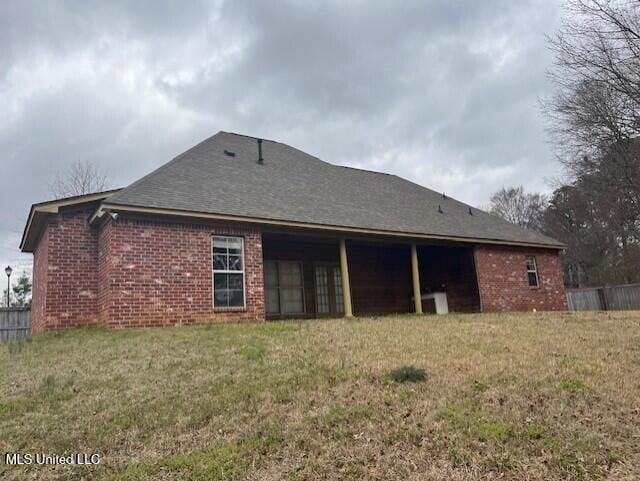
595,124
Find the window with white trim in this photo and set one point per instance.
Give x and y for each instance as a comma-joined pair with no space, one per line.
228,272
532,271
284,289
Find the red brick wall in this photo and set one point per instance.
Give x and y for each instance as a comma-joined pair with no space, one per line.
65,273
503,283
39,290
156,273
143,272
104,243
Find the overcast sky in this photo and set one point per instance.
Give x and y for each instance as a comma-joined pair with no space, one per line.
444,93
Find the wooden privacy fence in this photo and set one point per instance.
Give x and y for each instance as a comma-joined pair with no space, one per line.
611,298
15,323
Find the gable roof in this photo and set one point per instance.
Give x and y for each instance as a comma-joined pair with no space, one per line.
296,188
39,213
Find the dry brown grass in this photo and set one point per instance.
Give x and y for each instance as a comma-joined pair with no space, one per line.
519,396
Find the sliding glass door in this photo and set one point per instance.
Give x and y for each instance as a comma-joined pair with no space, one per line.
284,287
329,297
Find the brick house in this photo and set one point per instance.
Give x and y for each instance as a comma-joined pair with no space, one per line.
238,228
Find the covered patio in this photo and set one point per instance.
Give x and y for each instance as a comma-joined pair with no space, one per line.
320,275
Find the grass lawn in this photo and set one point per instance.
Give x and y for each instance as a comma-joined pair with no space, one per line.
519,396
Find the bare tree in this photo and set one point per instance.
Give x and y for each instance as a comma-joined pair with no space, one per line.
595,120
596,108
519,207
80,178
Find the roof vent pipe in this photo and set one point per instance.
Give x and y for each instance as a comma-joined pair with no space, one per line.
260,159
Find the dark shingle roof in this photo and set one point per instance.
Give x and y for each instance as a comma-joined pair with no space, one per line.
296,187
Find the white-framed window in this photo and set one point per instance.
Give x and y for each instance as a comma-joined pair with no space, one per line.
284,287
228,272
532,271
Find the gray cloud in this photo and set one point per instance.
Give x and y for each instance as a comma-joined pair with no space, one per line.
443,93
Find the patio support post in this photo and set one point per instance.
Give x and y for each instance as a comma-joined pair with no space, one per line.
415,273
346,286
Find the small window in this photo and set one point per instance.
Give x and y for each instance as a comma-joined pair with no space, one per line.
284,288
532,271
228,272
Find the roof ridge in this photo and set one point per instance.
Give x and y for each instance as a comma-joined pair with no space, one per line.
165,165
363,170
290,191
264,139
78,196
307,154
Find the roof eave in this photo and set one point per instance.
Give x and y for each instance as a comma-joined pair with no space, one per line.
40,212
116,207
